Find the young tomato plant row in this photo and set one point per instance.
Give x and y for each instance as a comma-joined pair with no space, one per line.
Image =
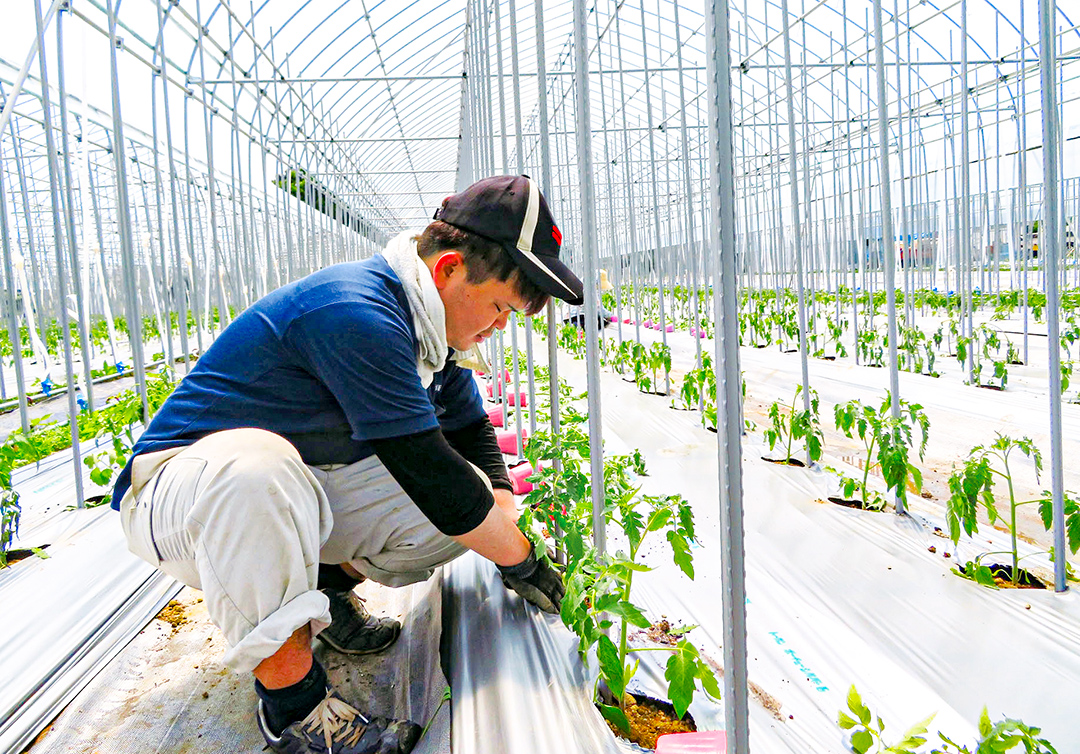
598,605
889,446
867,734
767,316
113,421
971,487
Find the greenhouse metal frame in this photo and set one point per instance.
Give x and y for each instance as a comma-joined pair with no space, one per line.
843,182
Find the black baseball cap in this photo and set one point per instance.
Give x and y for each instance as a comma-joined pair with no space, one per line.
510,210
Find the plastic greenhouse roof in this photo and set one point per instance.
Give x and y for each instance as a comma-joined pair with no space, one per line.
370,97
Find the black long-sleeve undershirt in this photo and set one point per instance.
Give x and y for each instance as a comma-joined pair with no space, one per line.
433,469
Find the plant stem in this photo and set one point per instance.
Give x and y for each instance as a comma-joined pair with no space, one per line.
866,471
622,635
791,428
1012,522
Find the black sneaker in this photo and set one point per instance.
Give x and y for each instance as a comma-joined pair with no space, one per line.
336,727
354,630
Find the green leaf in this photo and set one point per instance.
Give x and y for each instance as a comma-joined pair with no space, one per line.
985,726
983,575
680,549
845,721
630,613
708,680
680,674
1072,531
658,519
861,741
616,717
913,736
610,666
855,704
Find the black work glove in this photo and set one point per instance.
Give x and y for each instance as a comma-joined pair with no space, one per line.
536,581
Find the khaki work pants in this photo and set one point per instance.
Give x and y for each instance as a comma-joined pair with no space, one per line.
240,516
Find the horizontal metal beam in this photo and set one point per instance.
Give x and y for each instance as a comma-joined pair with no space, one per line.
745,67
366,141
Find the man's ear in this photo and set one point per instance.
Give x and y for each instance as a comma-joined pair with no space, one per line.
448,264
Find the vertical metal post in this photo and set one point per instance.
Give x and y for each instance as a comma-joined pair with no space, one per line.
853,237
728,377
519,148
887,236
1050,249
692,289
1021,157
127,247
12,305
793,176
630,212
179,287
582,122
69,216
657,256
963,251
61,275
546,186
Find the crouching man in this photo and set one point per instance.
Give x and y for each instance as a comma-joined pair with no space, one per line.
329,435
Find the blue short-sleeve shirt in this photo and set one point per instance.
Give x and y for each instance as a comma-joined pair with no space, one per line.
327,362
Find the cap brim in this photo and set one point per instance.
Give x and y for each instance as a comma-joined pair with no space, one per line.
550,275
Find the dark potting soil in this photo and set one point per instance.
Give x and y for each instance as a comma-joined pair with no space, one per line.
651,718
856,504
1003,577
784,461
829,358
991,387
14,556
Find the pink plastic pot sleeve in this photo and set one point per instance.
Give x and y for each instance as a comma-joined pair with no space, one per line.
508,441
710,741
518,475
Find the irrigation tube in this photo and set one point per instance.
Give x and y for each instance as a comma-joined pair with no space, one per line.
728,376
1050,239
887,238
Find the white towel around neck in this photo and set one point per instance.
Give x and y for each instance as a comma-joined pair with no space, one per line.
426,306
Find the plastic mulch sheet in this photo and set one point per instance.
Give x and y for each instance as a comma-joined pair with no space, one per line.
66,616
168,692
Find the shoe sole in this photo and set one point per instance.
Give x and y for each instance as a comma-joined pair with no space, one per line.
374,650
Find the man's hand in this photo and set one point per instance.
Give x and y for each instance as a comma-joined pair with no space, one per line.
536,581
